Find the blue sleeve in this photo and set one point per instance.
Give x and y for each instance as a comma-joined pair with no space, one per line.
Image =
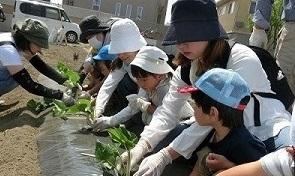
262,13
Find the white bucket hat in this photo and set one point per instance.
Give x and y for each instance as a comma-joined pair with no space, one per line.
153,60
125,37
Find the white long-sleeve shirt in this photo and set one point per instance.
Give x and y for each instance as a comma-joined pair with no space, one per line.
109,86
156,99
243,60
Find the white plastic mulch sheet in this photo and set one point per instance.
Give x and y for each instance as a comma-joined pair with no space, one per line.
60,147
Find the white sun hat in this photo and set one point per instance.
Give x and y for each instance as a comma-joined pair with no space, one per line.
153,60
125,37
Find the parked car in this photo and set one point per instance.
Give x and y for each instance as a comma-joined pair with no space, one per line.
2,15
52,14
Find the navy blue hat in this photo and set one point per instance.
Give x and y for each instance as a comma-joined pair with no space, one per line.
103,54
193,20
91,25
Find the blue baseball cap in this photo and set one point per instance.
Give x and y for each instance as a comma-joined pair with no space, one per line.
103,54
224,86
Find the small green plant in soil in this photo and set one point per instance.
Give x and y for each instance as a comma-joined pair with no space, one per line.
82,106
38,106
108,154
73,76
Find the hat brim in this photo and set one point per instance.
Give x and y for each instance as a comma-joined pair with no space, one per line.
191,31
84,35
119,46
152,67
187,89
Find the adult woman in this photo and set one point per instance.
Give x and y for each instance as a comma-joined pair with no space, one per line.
126,41
196,31
27,41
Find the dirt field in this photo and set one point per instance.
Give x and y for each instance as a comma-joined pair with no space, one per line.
18,129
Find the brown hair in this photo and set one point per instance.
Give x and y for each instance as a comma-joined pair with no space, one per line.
215,55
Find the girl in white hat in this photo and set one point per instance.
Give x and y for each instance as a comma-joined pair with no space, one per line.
126,41
153,74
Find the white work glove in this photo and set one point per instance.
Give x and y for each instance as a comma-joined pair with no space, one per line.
132,99
104,122
68,99
138,102
97,114
258,38
142,104
85,95
137,153
155,164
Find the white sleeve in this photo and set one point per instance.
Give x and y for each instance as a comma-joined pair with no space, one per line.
166,117
245,62
277,163
9,56
187,142
125,114
108,87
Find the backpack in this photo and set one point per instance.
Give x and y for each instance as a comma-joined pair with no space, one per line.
278,81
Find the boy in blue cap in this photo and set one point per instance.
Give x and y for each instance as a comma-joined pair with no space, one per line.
220,98
101,67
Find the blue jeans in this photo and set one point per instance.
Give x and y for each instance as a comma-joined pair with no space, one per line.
279,141
7,83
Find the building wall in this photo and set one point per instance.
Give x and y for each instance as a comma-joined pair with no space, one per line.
153,12
235,21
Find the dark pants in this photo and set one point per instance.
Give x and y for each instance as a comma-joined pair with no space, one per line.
118,99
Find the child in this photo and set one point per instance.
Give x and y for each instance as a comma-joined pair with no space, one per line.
152,73
102,64
278,163
220,98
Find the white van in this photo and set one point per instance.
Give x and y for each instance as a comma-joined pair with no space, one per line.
53,15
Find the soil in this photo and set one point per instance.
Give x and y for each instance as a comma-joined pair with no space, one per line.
18,128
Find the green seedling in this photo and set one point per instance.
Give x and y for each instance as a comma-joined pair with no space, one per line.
82,106
73,76
107,154
38,106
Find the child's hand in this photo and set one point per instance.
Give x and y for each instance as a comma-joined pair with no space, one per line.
217,162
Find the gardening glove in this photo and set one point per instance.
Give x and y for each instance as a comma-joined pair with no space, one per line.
142,104
68,100
97,113
154,164
85,95
258,38
137,153
132,99
104,122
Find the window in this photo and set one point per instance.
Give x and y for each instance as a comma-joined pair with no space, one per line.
64,16
118,9
128,11
222,10
252,7
96,5
52,13
139,13
231,8
32,9
70,2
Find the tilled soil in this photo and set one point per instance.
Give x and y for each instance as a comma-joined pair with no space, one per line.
18,128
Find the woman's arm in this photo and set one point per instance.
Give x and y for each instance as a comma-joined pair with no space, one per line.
21,75
46,70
